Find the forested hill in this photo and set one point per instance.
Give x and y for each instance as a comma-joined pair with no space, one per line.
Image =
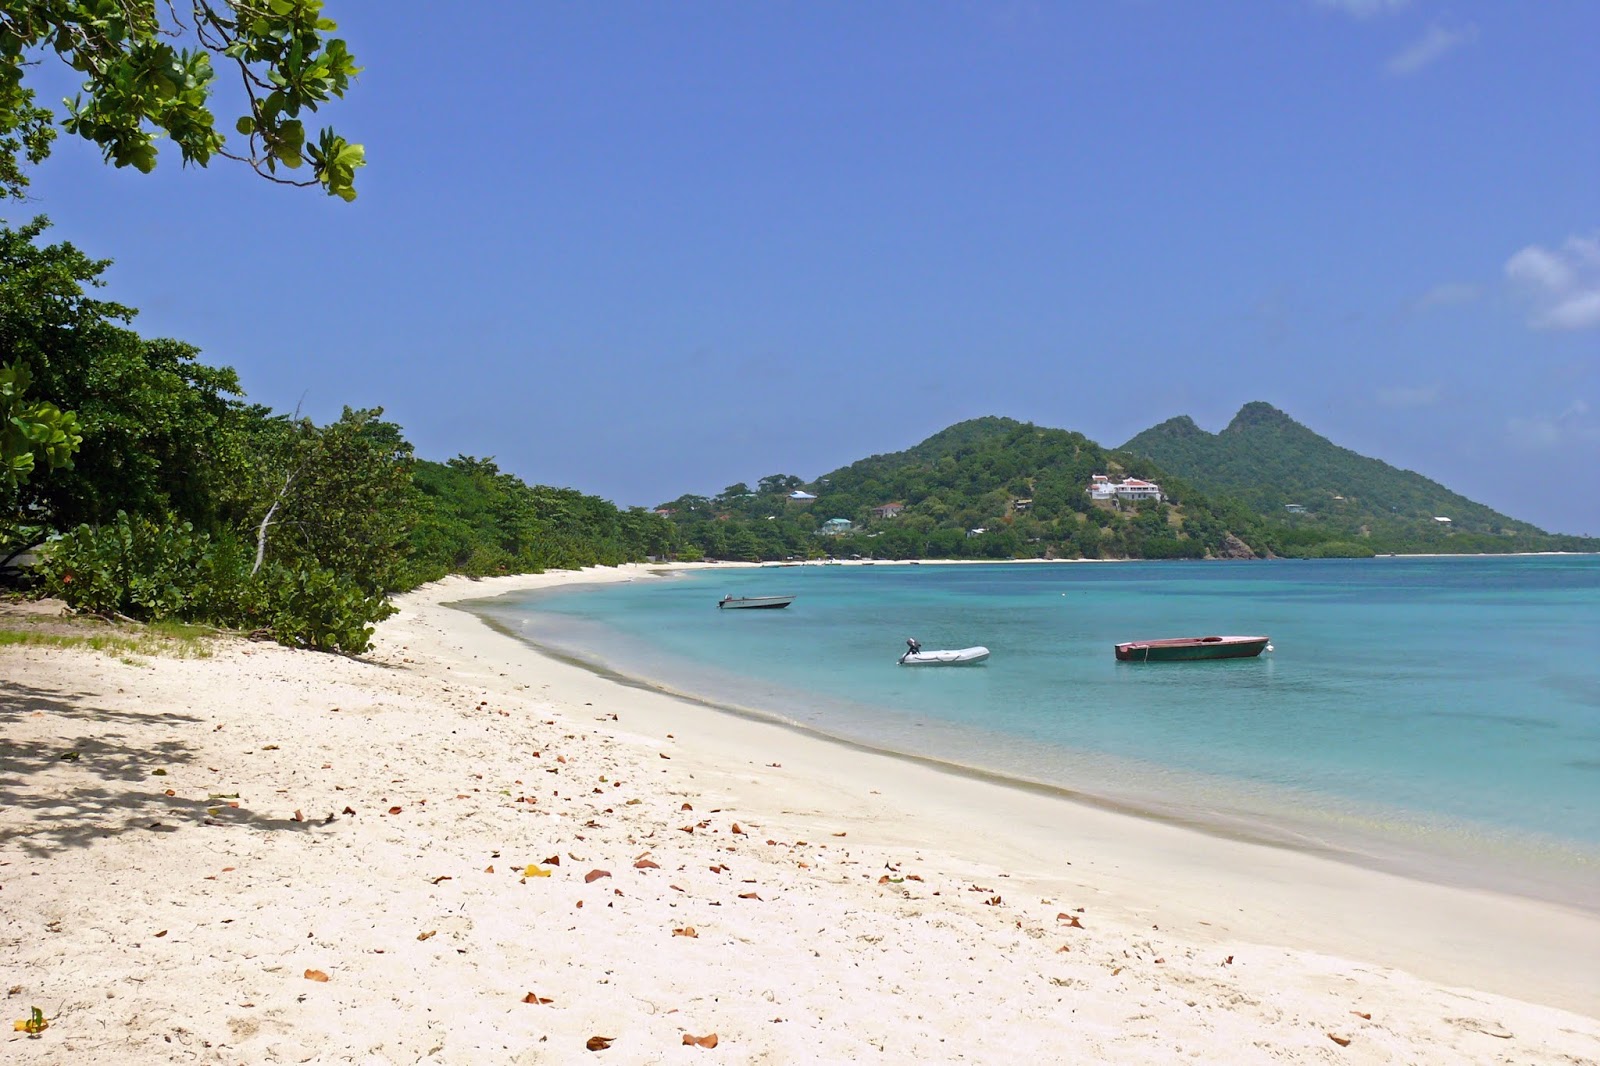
1269,461
989,488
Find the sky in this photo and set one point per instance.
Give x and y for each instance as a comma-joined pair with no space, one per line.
649,249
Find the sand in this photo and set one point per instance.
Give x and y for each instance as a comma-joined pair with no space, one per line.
374,821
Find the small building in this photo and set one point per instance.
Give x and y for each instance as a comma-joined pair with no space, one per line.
1441,519
800,496
666,512
1021,506
888,510
835,527
1102,487
980,531
1295,508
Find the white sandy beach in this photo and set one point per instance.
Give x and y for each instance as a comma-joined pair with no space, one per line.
374,820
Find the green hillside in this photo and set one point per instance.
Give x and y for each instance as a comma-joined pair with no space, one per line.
990,488
1271,463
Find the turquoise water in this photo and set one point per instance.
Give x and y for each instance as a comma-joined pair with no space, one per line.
1442,713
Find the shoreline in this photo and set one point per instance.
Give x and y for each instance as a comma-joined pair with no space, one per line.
1554,883
1407,944
371,820
1434,850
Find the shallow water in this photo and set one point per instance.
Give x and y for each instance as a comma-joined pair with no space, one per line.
1441,716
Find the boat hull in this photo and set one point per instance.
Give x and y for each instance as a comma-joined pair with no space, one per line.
953,657
754,603
1190,649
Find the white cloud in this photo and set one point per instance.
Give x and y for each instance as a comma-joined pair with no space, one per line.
1544,432
1431,47
1561,284
1448,294
1364,8
1418,396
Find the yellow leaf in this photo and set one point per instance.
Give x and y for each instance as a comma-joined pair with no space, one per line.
535,870
34,1024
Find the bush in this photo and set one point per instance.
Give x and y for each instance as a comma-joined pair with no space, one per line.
152,570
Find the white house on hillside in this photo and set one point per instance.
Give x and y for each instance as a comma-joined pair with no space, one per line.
1103,488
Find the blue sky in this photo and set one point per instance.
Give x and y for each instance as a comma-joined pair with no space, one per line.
647,249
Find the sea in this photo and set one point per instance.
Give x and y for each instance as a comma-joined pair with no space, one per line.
1437,717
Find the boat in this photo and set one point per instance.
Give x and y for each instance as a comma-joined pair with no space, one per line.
753,603
951,657
1188,649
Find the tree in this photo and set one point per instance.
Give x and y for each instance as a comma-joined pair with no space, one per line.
160,431
773,484
148,70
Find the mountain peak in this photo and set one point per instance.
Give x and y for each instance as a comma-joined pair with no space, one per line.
1259,414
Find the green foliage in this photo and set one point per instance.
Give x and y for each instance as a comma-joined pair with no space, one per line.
153,569
475,519
160,430
148,70
31,431
345,501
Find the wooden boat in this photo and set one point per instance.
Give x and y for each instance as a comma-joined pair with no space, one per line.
754,603
1188,649
952,657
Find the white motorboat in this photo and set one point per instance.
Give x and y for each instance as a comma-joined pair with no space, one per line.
754,603
950,657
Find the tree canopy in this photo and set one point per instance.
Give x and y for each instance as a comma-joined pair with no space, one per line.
183,501
149,69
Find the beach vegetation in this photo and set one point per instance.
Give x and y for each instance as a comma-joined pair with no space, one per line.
163,495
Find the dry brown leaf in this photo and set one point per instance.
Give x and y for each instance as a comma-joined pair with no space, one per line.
709,1040
1116,971
1342,1041
736,829
394,810
349,810
534,997
645,864
316,975
161,934
171,792
429,933
840,834
595,875
687,931
488,869
686,829
599,1043
299,815
1229,962
554,860
749,895
443,877
913,877
1072,921
1062,948
663,754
